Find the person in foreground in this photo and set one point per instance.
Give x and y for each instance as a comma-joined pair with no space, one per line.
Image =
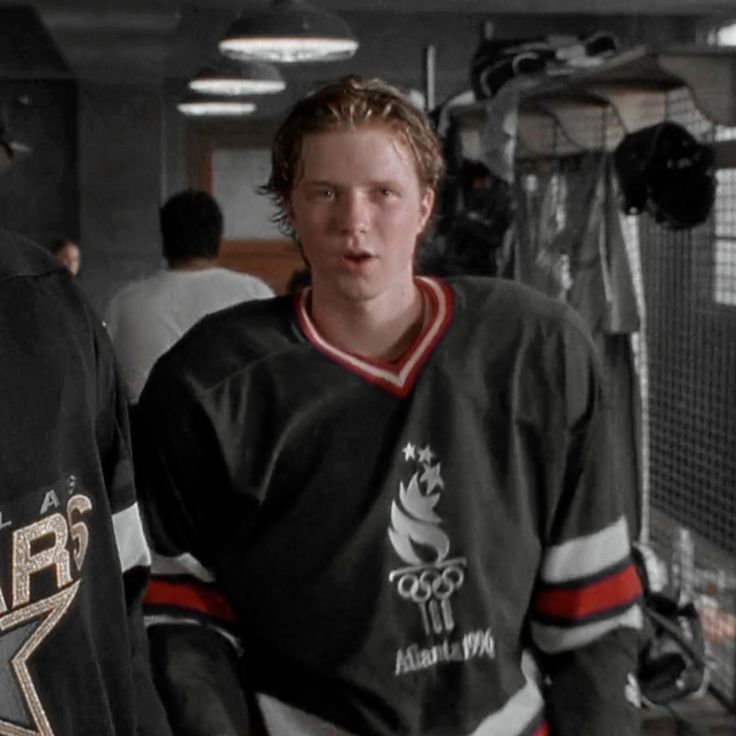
383,506
73,557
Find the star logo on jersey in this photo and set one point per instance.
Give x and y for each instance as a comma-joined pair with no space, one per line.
22,631
431,576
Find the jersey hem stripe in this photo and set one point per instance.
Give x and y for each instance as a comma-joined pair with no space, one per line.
193,597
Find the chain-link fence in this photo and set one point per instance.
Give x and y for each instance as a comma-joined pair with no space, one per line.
687,352
684,351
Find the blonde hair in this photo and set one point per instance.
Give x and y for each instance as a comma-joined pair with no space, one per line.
350,102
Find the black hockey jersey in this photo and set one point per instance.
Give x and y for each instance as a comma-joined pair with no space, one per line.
73,556
398,548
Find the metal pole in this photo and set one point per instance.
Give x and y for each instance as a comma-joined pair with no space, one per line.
430,66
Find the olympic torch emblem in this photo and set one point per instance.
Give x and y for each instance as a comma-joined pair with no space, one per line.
430,578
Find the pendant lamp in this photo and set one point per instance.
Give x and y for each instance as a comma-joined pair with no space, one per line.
288,32
215,106
228,78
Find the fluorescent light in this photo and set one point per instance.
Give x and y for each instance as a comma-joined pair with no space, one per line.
288,32
289,50
211,107
227,78
726,35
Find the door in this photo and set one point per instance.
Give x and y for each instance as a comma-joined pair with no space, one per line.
231,161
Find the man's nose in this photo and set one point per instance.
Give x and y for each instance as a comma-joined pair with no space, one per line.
353,215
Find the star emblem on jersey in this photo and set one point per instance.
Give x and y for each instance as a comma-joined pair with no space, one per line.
430,576
21,633
409,451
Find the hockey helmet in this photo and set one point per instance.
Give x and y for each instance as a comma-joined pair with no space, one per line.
672,661
662,169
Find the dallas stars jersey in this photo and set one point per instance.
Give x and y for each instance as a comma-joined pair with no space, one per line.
73,558
386,541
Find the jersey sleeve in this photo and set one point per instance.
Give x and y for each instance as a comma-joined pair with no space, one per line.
181,477
585,617
113,439
192,627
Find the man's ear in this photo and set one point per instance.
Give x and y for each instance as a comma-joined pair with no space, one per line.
426,207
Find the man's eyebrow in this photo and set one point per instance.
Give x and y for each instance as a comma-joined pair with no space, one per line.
336,185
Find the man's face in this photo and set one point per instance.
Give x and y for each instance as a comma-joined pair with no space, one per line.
70,257
358,208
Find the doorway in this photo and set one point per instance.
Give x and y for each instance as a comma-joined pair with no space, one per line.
231,161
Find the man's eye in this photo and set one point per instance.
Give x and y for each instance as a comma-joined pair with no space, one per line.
326,193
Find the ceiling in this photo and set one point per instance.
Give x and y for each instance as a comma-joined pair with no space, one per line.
101,36
660,7
134,40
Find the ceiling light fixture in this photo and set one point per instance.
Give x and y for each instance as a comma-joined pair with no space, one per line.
228,78
288,32
215,107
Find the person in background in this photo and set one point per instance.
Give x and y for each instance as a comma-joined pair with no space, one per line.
67,252
384,505
73,556
147,317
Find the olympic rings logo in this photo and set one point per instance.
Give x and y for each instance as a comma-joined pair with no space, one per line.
419,588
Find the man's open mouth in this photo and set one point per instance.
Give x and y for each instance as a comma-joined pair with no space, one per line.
357,257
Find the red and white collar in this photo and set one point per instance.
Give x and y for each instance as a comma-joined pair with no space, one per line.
398,378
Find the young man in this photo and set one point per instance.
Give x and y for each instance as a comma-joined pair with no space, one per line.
384,506
73,557
147,317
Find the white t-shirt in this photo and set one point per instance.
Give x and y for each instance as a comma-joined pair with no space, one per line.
145,318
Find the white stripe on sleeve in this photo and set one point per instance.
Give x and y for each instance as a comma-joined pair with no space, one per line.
163,619
130,538
589,555
184,564
553,639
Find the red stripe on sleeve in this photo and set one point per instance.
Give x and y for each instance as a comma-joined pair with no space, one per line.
609,593
191,597
543,730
